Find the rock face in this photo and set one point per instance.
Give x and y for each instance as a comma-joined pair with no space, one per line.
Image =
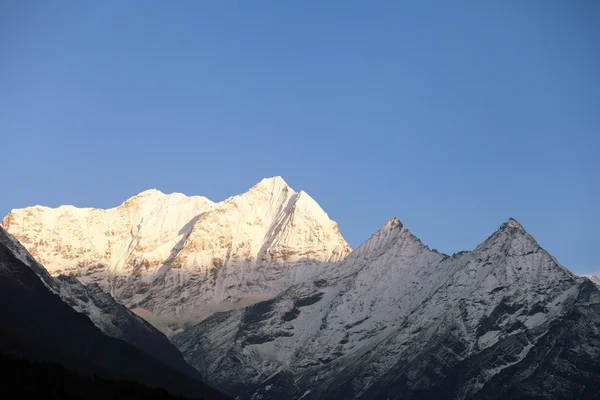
43,319
594,279
181,257
397,320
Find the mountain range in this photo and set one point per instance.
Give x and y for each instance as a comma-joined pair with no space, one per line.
262,296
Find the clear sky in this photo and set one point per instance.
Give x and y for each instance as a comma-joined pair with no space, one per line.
452,116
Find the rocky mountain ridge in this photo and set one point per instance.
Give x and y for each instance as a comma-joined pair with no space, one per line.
401,321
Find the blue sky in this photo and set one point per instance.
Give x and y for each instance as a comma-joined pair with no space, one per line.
452,116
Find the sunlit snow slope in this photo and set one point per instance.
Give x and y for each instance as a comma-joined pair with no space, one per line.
173,257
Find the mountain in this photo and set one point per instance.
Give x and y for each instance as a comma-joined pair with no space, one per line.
37,325
397,320
287,311
112,318
46,380
174,258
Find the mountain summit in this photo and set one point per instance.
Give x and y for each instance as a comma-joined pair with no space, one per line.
175,258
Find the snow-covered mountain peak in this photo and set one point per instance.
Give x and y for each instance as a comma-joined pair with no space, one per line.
150,192
511,239
391,225
512,259
170,253
513,225
390,248
273,185
380,241
392,233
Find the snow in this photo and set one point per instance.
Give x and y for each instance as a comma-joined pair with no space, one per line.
333,317
175,255
387,301
494,371
535,320
488,339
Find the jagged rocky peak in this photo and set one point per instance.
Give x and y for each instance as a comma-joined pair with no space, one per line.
393,223
513,223
512,239
273,184
392,233
383,238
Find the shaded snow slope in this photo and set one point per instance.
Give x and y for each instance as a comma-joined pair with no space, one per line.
397,320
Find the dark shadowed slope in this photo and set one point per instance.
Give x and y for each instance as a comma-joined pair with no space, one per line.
35,324
21,379
112,318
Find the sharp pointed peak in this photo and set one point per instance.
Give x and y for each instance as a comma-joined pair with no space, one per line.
393,223
272,181
512,223
509,231
511,226
275,183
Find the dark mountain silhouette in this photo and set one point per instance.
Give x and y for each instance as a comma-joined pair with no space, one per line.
36,325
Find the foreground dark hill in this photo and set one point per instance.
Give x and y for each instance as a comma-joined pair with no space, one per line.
397,320
112,318
23,379
35,324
